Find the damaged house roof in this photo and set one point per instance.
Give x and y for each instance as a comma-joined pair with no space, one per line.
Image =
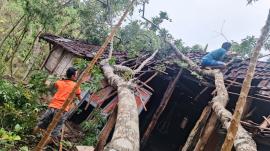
186,98
78,47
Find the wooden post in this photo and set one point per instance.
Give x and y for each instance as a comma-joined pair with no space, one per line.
210,126
103,136
166,97
197,129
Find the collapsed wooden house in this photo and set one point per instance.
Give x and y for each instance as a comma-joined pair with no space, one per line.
170,101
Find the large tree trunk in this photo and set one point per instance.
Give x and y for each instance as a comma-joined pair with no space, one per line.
243,139
126,134
235,121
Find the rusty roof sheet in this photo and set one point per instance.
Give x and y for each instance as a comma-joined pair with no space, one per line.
77,47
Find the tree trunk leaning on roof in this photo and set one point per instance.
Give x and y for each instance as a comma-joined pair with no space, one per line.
235,121
126,134
243,139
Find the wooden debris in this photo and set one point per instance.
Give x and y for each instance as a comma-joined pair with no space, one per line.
265,123
84,148
197,129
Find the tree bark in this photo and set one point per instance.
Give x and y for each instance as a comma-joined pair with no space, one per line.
235,121
243,139
126,133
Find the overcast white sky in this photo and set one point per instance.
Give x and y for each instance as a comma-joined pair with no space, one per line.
196,21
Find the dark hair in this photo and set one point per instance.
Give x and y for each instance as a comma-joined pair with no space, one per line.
71,71
226,45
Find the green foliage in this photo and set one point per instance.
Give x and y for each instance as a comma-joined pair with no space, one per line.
196,75
92,127
8,138
96,75
18,106
112,61
136,39
24,148
80,64
244,48
37,81
181,64
67,144
126,75
157,20
93,25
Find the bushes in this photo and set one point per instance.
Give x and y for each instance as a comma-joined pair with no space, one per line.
37,81
19,112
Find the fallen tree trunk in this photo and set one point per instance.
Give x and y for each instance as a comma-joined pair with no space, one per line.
243,139
126,133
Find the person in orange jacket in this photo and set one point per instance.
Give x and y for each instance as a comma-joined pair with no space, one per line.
64,88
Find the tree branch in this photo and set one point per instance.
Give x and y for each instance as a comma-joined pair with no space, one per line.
145,62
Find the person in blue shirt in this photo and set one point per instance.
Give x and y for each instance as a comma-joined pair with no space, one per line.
214,58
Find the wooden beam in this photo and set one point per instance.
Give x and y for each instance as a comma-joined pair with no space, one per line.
197,130
198,96
103,136
166,97
246,109
209,128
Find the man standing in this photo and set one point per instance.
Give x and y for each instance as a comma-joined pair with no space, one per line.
214,58
64,88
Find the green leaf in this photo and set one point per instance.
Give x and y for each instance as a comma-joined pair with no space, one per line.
17,128
17,138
